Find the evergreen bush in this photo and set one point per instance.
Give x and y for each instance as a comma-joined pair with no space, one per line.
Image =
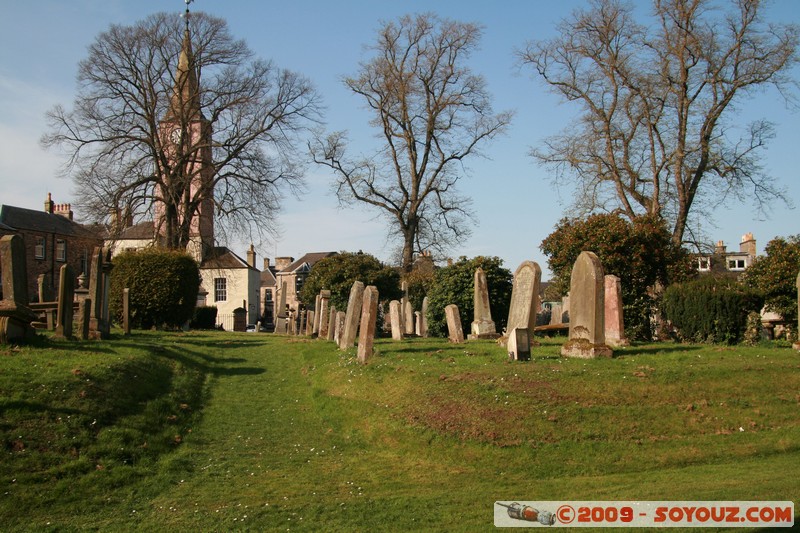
205,317
710,309
163,287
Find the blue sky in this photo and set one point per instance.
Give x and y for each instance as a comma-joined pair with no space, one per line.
515,202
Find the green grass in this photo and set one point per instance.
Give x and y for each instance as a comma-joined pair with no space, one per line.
218,432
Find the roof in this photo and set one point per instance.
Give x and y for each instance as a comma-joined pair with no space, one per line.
309,259
20,218
268,277
141,231
222,257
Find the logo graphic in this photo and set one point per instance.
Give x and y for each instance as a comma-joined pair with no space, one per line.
529,514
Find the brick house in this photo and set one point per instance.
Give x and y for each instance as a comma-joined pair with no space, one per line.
52,239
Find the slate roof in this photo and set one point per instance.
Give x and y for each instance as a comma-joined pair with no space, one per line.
268,277
141,231
222,257
311,259
20,218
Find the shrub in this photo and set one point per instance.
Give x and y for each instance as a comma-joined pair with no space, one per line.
454,284
710,309
205,317
163,287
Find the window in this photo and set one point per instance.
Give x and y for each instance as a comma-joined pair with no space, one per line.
735,264
61,250
39,248
220,289
703,264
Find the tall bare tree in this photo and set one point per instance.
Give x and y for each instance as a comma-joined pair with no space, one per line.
657,129
431,112
249,114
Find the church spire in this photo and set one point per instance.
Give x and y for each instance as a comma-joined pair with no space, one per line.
185,103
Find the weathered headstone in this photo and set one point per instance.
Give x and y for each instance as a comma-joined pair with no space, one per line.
324,311
338,331
348,338
44,288
796,345
281,312
454,331
96,288
524,297
369,320
587,310
555,314
482,325
331,324
15,315
615,325
66,302
519,344
424,328
408,317
126,311
394,320
84,312
311,319
418,323
315,323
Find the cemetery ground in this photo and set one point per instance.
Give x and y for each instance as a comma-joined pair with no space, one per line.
211,431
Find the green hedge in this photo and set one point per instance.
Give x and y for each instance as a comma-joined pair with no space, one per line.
205,317
163,287
710,309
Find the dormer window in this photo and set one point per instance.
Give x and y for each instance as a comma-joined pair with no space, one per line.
736,264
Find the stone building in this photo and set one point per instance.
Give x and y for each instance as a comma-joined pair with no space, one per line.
722,260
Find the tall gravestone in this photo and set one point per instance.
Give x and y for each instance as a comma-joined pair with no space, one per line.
394,320
281,313
524,298
615,325
315,323
66,302
15,315
332,324
424,327
369,321
587,310
352,317
454,331
126,311
408,317
324,311
482,325
796,345
96,294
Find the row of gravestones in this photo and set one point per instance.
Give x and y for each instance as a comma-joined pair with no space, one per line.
16,315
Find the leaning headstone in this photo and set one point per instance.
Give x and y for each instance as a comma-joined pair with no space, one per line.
369,320
408,317
615,325
796,345
482,326
66,302
454,331
348,338
338,331
394,320
519,344
324,311
424,327
126,311
331,324
587,310
524,297
15,315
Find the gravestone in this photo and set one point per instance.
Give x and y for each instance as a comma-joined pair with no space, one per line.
126,311
482,325
454,331
315,322
369,320
615,325
524,301
281,312
84,312
240,319
338,331
66,302
96,295
796,345
44,288
555,314
417,323
311,319
353,316
394,320
519,344
324,311
587,310
565,309
332,324
15,315
408,317
424,327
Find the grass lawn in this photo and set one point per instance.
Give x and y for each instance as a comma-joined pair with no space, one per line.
214,431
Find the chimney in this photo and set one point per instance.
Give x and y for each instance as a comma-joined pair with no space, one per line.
49,204
283,262
65,210
719,249
251,256
748,244
266,263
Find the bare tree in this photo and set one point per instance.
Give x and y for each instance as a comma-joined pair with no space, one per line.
249,115
657,130
432,112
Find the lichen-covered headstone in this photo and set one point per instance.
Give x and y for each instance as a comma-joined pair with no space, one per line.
482,326
587,310
15,315
524,301
455,332
369,320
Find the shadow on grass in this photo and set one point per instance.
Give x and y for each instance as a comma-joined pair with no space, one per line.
658,349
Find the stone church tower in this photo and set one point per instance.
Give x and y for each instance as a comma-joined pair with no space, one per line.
186,135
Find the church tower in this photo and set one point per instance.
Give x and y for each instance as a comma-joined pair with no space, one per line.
185,135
